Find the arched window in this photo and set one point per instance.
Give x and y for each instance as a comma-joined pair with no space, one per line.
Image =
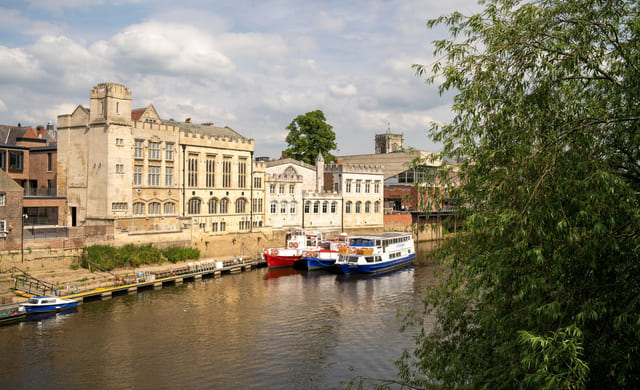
224,206
169,208
316,207
194,206
273,207
333,207
367,207
358,206
138,208
307,207
376,207
154,208
283,207
292,207
325,207
213,205
347,207
241,205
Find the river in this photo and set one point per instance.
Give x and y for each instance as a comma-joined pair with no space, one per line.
266,329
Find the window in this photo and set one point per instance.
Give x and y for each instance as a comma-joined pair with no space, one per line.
273,208
3,160
194,206
348,186
333,207
138,208
358,207
3,225
281,189
138,149
316,207
193,170
226,172
292,207
211,171
241,205
154,208
325,207
242,173
376,207
15,160
283,207
214,227
213,205
119,168
119,142
347,207
137,175
358,184
3,200
257,182
154,150
307,206
257,205
367,187
292,189
154,176
168,152
376,187
272,189
168,176
224,206
169,208
49,162
223,226
367,207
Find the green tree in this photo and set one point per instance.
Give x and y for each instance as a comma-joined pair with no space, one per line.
310,134
542,290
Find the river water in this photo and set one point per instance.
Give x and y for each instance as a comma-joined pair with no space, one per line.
261,329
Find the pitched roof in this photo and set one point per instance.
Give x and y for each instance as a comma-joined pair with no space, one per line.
137,113
7,184
207,130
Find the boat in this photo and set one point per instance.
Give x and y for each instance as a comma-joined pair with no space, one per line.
325,256
11,315
297,242
376,252
43,304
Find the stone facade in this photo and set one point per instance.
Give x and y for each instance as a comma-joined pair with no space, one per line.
11,195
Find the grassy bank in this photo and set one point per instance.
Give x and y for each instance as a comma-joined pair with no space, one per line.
108,257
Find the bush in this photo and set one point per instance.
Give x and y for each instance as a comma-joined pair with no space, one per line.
108,257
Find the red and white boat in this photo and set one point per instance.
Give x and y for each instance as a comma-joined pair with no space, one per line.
298,241
325,256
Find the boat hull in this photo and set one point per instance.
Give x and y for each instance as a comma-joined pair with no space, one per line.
352,268
49,308
11,316
276,261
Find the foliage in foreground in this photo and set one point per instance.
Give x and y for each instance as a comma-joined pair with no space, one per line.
108,257
543,288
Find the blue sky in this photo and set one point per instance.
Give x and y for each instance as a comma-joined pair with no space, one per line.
250,65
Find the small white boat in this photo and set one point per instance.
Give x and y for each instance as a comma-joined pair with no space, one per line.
376,253
43,304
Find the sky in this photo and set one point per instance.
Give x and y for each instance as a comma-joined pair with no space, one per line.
251,65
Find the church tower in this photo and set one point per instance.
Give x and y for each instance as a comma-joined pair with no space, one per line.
389,142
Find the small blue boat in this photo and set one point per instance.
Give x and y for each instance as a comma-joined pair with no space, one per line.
43,304
377,253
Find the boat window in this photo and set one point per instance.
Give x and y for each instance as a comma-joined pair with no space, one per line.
378,258
369,259
32,300
377,242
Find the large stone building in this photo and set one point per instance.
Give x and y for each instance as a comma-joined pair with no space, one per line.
137,178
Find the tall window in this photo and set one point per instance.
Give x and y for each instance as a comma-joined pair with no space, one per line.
168,176
49,162
358,206
316,207
193,170
3,200
348,186
213,206
292,188
257,182
154,150
307,206
257,205
367,207
168,152
15,160
240,205
211,171
358,183
281,189
138,148
169,208
154,208
283,207
347,207
367,187
224,206
333,207
376,187
154,176
226,172
194,206
137,175
292,207
325,207
138,208
272,189
242,173
273,207
3,160
376,207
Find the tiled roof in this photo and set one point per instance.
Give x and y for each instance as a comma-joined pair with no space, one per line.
137,113
207,130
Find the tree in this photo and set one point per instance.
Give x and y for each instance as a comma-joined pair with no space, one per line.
542,290
310,134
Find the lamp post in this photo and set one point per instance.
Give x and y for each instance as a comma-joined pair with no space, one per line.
24,216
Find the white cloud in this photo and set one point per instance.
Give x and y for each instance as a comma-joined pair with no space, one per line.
329,23
14,20
18,65
3,107
347,90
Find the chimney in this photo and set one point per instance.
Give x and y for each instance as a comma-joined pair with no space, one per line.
50,125
40,130
188,120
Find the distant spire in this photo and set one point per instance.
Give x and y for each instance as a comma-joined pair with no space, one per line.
388,127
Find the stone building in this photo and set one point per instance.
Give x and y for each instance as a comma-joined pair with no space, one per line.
138,178
11,222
